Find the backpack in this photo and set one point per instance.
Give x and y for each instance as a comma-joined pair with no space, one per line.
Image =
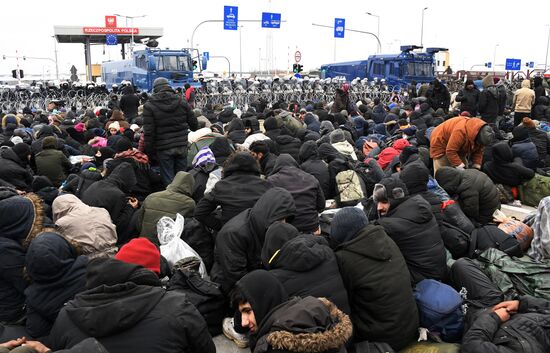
205,295
355,183
491,236
457,241
534,190
351,188
440,310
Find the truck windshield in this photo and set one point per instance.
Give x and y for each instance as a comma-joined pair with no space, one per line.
420,69
173,63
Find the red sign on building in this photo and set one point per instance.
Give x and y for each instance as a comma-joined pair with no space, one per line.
107,30
110,21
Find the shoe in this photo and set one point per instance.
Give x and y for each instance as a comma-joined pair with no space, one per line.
229,331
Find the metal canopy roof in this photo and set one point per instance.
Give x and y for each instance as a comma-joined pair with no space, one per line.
77,34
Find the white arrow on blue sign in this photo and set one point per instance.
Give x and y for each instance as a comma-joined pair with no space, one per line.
111,39
271,20
206,55
339,27
513,64
230,17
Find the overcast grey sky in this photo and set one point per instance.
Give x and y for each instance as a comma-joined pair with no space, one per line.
470,29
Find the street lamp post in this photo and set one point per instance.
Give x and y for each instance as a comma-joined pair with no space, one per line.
495,57
378,26
55,52
547,44
132,24
240,53
422,28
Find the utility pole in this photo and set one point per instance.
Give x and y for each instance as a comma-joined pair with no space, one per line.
422,28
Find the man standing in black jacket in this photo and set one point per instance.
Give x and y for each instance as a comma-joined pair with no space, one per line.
129,103
468,98
167,119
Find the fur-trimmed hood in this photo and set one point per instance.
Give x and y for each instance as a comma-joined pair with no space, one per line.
329,329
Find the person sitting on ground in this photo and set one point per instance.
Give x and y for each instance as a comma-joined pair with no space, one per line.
14,166
90,227
112,193
168,203
504,168
261,151
304,264
57,273
409,221
312,163
541,139
339,142
52,163
241,186
524,148
477,194
279,324
367,258
113,286
204,165
305,190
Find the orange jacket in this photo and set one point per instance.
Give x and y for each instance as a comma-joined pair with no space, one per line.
456,138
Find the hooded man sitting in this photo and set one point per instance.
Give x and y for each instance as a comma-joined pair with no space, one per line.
280,324
304,264
409,221
115,285
367,258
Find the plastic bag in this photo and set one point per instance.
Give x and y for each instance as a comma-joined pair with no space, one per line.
172,247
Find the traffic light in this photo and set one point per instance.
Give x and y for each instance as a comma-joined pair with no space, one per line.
300,68
295,68
14,73
194,64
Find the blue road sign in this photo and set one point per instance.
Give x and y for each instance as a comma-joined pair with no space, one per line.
339,27
230,17
111,39
206,55
271,20
513,64
531,64
489,64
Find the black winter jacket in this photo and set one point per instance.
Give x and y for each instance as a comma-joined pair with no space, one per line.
304,188
468,100
477,194
159,321
239,243
129,103
438,97
488,106
239,189
311,163
78,183
541,139
504,168
167,119
525,332
415,231
15,171
111,192
290,145
306,265
382,310
57,274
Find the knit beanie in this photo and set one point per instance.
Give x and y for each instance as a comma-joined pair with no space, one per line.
140,251
160,82
337,136
80,127
347,223
40,182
